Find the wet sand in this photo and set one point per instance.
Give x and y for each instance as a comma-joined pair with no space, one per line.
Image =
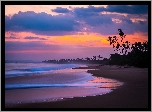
133,93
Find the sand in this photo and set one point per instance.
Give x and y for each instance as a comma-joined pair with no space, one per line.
132,94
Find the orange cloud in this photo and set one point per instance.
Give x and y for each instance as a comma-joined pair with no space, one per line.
137,37
91,39
84,40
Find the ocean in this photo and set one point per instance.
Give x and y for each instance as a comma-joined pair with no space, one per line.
41,82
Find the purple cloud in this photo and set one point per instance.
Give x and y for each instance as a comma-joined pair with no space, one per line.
13,37
30,37
71,23
31,21
60,10
30,46
133,9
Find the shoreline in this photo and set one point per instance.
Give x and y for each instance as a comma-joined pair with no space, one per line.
132,94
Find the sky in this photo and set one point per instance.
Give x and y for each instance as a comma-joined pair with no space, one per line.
45,32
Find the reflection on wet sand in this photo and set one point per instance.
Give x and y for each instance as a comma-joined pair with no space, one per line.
106,82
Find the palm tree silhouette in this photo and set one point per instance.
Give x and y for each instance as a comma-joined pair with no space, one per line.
99,57
94,58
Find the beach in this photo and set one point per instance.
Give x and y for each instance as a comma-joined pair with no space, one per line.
132,94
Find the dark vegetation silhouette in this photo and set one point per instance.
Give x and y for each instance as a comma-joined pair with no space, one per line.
131,55
87,60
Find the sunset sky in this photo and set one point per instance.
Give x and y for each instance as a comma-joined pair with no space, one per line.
43,32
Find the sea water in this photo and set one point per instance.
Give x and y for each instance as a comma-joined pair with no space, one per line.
39,82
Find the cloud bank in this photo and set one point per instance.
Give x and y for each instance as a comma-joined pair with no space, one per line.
70,21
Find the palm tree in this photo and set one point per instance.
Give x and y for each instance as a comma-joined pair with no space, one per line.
94,57
99,57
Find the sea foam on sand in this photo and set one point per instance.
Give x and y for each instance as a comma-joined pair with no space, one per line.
57,85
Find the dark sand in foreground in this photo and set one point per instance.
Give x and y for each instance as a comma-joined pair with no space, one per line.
132,94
